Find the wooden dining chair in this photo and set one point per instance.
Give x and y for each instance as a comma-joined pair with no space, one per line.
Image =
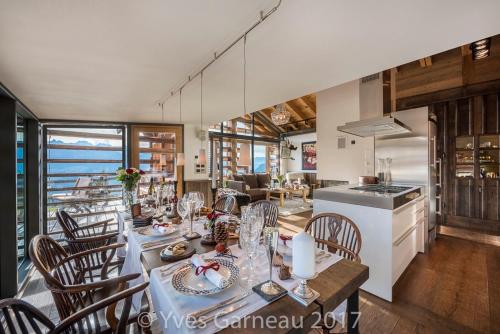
85,237
270,211
225,204
337,233
66,276
22,317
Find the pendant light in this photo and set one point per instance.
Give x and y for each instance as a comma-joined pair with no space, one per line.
180,161
280,115
202,156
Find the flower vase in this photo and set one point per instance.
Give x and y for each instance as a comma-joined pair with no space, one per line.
129,196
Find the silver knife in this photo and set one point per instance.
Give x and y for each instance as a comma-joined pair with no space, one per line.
224,312
223,303
150,244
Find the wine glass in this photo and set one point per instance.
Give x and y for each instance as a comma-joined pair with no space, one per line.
200,204
182,208
190,207
271,235
250,231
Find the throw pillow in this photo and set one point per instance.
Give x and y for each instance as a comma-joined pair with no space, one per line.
251,180
263,180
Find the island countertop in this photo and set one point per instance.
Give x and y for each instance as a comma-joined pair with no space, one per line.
389,201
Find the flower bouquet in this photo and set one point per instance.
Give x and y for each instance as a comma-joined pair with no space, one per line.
129,178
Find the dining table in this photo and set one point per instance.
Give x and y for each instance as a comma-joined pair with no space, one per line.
338,281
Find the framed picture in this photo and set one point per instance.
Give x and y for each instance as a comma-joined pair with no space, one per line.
309,155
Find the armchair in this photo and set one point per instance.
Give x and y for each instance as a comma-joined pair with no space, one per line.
66,276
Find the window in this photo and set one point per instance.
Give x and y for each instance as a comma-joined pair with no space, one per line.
266,159
20,192
154,151
81,164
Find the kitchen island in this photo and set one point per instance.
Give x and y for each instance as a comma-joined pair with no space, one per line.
392,224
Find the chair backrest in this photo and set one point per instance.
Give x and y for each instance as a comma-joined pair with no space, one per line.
337,233
270,211
52,262
68,225
87,320
82,182
22,317
225,204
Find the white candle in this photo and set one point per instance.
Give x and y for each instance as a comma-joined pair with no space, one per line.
303,252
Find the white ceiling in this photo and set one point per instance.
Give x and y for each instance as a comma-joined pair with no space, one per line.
114,60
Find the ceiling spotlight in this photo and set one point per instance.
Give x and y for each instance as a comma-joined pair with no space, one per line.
480,49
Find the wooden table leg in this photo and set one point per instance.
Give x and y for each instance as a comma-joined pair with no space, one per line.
268,196
282,199
353,313
304,195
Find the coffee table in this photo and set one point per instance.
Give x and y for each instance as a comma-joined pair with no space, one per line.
280,193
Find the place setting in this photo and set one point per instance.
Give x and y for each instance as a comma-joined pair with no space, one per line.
236,280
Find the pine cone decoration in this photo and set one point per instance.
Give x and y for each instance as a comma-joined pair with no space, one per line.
220,233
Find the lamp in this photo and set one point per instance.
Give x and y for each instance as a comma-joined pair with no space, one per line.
480,49
180,159
202,157
280,115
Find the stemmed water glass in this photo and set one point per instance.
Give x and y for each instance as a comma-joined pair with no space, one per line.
189,207
271,235
198,199
250,231
182,208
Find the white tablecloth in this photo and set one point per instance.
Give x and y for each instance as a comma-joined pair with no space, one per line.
132,263
172,307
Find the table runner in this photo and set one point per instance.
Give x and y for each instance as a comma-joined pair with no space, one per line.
132,263
171,307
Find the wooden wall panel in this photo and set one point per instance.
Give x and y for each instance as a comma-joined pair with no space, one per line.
444,73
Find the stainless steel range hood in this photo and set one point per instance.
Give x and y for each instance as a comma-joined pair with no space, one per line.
372,120
381,126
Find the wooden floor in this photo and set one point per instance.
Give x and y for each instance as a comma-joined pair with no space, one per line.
455,288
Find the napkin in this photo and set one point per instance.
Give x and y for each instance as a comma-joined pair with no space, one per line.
286,240
161,227
212,275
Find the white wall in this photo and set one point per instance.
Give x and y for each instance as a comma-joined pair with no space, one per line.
336,106
295,165
191,148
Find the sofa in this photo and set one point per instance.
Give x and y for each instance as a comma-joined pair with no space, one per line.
254,185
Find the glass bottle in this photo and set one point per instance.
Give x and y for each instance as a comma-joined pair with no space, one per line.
381,170
387,173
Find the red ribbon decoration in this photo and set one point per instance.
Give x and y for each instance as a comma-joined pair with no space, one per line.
203,269
285,238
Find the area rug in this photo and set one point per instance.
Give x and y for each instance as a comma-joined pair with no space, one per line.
294,206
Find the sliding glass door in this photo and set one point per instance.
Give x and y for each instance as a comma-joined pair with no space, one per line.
80,168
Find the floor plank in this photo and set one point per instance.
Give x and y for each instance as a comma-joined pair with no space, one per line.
455,288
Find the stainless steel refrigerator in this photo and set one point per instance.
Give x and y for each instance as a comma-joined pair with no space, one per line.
414,159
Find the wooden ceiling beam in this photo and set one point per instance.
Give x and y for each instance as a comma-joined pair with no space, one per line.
266,120
465,50
425,62
294,114
306,108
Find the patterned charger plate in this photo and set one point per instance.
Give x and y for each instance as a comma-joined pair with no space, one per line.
150,231
186,282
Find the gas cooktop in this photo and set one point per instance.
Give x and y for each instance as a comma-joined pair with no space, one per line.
381,189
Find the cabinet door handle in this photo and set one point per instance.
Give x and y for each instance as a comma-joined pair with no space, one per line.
407,233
